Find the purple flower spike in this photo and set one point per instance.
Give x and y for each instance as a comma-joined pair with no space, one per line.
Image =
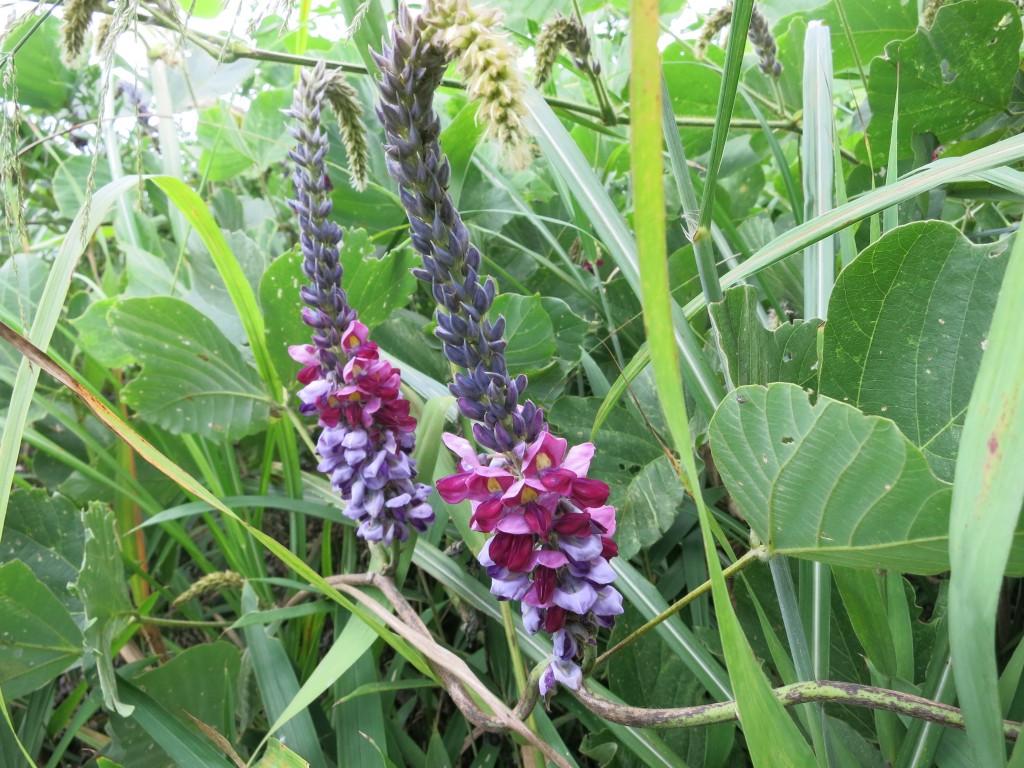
552,529
367,435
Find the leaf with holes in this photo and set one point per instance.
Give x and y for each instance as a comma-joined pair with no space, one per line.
193,380
38,637
756,355
906,331
102,588
652,502
45,532
951,78
827,483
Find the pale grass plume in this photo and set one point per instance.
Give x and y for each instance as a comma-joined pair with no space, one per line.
77,19
713,24
343,100
570,33
486,61
211,582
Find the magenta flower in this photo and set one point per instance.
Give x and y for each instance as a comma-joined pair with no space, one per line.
552,539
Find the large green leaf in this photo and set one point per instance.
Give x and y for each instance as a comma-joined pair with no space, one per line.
95,338
40,77
38,639
281,305
827,483
193,380
375,287
756,355
650,507
869,27
46,533
951,77
906,331
103,590
531,338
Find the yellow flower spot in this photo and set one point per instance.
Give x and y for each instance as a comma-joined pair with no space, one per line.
493,485
543,461
528,495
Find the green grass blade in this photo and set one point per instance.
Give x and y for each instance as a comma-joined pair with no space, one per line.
50,307
942,171
988,491
818,165
703,249
567,159
741,11
355,639
891,216
768,728
183,745
284,702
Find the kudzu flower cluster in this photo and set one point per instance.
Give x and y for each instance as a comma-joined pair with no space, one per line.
368,434
552,529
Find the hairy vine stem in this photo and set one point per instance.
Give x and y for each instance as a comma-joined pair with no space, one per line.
820,691
813,691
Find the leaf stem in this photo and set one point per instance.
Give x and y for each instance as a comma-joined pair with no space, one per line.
748,559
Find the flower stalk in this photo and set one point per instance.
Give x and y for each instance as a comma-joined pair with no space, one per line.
368,432
552,528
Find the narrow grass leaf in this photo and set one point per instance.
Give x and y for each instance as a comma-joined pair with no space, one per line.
355,640
50,307
183,745
767,726
988,492
279,689
817,143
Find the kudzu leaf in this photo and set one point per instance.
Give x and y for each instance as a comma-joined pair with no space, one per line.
825,482
193,380
528,329
756,355
376,287
650,507
906,330
951,78
46,533
38,637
